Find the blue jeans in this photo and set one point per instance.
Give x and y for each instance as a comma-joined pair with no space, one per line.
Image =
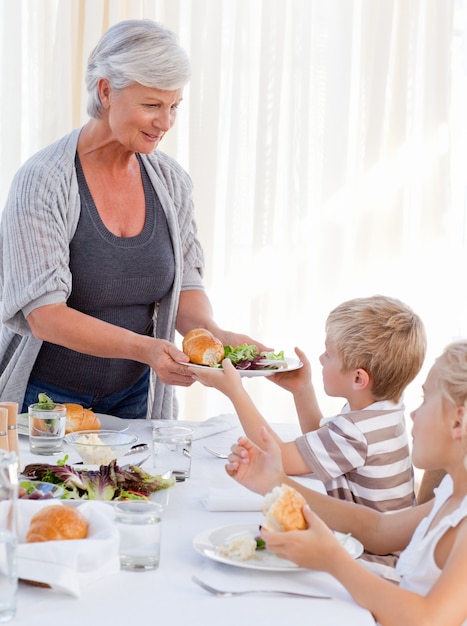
130,403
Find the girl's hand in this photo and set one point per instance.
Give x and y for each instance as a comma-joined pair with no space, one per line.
225,380
313,548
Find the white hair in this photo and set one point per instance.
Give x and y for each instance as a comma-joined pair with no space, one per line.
136,51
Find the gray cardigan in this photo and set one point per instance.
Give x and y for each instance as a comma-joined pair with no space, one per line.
39,221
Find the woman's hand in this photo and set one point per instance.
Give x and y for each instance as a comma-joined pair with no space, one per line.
195,311
165,358
65,326
229,338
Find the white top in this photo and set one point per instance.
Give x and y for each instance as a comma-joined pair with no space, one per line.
416,566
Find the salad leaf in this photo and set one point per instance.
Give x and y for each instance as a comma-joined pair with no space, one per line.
248,357
260,543
109,482
101,484
273,356
47,404
244,352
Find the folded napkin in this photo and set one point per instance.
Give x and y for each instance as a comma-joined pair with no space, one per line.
68,566
214,425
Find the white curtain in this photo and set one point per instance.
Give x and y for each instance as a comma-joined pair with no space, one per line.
318,137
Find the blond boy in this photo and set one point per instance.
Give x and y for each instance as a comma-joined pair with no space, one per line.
375,347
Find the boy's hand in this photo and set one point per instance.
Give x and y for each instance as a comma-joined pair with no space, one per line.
296,380
257,469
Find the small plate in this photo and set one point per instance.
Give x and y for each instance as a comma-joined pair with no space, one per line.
208,542
36,490
108,422
292,364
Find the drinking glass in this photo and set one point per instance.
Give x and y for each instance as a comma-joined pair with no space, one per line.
8,538
139,525
172,451
46,428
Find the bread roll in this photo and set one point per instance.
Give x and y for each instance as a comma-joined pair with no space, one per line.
57,522
282,508
79,418
202,347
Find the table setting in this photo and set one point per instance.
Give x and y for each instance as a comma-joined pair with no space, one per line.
193,515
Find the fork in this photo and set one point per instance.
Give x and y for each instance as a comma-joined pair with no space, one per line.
228,594
138,464
219,455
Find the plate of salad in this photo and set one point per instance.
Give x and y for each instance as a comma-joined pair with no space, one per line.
106,482
250,362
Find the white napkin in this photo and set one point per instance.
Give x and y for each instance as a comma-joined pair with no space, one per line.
214,425
68,566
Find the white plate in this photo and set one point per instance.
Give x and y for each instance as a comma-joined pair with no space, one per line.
292,364
108,422
208,541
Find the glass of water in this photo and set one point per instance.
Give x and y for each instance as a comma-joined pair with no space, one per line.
8,540
139,525
47,423
172,451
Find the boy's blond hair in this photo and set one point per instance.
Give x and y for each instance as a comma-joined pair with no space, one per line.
384,337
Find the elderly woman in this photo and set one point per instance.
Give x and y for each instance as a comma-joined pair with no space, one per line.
100,262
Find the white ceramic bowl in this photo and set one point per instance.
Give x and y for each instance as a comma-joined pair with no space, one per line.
100,447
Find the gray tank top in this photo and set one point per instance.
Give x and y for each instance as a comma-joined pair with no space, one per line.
115,279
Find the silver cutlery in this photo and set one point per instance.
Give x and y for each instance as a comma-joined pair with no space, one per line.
127,465
139,447
219,455
228,594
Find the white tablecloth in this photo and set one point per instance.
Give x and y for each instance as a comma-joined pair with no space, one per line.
168,595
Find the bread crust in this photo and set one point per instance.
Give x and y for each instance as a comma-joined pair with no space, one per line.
282,508
79,418
202,347
57,522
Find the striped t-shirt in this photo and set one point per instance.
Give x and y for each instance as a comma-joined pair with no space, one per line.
363,456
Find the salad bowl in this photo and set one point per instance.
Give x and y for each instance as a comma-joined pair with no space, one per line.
100,447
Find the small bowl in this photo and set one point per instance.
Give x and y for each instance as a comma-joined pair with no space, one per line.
100,447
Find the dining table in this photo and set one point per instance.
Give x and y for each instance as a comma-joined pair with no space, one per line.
168,595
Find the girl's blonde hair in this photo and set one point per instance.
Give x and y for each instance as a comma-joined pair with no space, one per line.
384,337
452,372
